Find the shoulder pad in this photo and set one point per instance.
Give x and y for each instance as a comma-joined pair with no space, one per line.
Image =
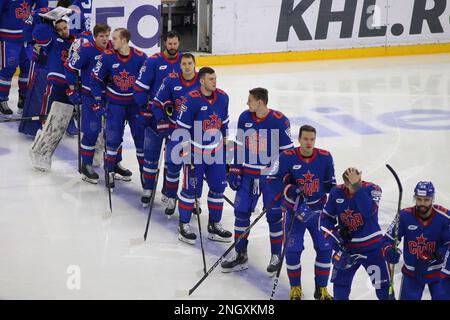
409,210
221,91
323,152
156,55
194,94
138,52
108,52
443,211
87,45
289,152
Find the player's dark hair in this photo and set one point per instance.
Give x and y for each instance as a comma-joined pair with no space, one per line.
188,56
101,28
171,34
306,128
64,3
204,71
260,94
124,33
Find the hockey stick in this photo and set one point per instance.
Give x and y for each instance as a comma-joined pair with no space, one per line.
105,165
283,253
225,197
274,201
397,223
152,199
41,117
198,217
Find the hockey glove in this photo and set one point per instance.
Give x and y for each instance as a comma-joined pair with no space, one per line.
424,261
343,260
99,108
73,96
234,177
291,191
392,256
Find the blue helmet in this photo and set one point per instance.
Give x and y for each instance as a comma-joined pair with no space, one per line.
424,189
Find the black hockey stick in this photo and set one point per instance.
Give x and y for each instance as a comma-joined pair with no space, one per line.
274,201
283,253
40,117
194,183
152,198
105,165
397,223
225,197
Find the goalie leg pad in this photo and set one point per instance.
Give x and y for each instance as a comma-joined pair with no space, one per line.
48,138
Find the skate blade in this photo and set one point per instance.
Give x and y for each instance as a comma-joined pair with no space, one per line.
182,293
214,237
239,268
183,239
91,181
122,178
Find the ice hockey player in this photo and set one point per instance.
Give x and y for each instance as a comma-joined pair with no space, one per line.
445,276
118,69
80,64
425,230
56,38
351,213
310,170
153,72
262,134
204,115
15,48
166,105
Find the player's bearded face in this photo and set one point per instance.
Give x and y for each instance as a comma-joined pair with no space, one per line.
172,45
423,204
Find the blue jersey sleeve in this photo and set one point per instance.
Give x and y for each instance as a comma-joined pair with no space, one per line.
43,34
388,239
328,218
41,4
226,121
188,110
98,74
239,147
75,62
2,5
162,97
279,170
329,179
368,199
144,81
285,134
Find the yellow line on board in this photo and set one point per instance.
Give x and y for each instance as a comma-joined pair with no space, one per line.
351,53
298,56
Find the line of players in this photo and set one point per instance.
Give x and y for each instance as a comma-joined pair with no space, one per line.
159,94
